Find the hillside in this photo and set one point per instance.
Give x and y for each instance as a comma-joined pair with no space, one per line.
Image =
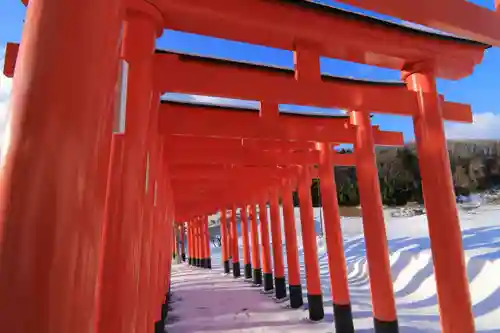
475,166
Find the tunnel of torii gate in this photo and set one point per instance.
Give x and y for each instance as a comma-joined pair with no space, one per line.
96,202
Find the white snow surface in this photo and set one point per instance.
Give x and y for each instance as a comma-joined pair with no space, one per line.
208,301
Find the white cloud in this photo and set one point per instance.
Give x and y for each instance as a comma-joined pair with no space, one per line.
5,89
485,126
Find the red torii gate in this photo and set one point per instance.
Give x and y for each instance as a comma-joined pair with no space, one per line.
59,193
209,150
278,127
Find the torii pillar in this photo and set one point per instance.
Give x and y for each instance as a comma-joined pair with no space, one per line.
267,269
246,244
292,253
277,244
379,269
208,257
190,242
442,216
182,240
52,198
235,253
121,276
254,234
313,281
334,242
224,241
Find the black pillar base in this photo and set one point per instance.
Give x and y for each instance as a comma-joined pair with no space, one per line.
296,300
248,271
209,263
164,311
202,262
205,263
236,269
226,267
268,281
280,287
257,276
197,262
159,327
316,311
343,318
184,257
386,326
189,261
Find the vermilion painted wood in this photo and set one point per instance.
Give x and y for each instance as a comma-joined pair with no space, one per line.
191,161
207,238
443,221
9,65
245,231
194,191
204,184
191,204
313,281
251,139
183,119
333,233
146,319
223,194
190,189
215,174
213,186
384,306
189,141
318,93
363,40
224,233
203,206
212,174
458,17
188,74
52,199
276,237
120,293
289,226
242,156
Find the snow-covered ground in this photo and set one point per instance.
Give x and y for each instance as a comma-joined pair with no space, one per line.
412,272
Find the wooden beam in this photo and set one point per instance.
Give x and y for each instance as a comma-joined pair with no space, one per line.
451,111
185,119
459,17
244,156
230,79
11,51
189,75
362,39
190,141
218,173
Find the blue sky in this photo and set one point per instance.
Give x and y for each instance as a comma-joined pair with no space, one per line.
480,89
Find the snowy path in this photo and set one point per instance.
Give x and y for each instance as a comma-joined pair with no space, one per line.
208,301
212,302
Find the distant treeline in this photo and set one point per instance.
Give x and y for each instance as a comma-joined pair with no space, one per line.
475,166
